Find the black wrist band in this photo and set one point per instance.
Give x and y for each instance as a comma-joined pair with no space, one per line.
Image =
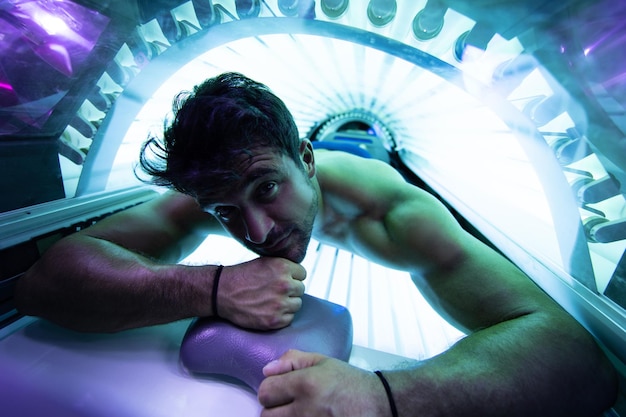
216,282
392,403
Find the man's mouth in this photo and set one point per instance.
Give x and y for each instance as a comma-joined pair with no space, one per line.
280,243
275,245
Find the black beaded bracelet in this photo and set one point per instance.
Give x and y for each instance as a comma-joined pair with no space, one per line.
216,282
392,403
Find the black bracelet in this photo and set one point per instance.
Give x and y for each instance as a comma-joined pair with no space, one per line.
392,403
216,282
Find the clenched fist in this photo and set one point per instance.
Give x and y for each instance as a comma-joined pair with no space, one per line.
263,294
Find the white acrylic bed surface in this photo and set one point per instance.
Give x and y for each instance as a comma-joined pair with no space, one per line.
47,370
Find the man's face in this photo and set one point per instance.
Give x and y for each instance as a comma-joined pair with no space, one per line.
271,210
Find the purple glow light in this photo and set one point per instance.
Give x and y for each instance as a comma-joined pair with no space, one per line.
6,86
618,79
45,45
64,20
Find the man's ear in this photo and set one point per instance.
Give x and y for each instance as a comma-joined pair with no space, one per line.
308,157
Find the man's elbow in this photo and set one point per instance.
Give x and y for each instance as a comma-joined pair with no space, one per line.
38,290
31,300
25,295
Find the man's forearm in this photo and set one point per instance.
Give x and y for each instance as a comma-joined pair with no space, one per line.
90,284
540,364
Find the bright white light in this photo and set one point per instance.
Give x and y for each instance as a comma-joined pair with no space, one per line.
53,25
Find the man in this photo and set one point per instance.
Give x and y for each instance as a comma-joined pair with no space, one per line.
233,151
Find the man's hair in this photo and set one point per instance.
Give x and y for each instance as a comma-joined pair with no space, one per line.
223,119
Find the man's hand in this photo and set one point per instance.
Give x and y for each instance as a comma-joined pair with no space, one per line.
310,384
263,294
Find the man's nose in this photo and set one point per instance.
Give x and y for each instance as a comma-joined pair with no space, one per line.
258,225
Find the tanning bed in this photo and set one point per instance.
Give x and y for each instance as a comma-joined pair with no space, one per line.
512,114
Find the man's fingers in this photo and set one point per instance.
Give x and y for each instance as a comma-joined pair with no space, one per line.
274,397
292,360
283,381
295,304
297,290
276,367
299,273
276,390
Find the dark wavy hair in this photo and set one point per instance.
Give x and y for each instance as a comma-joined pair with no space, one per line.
224,118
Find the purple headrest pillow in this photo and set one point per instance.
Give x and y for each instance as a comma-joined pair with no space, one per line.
216,346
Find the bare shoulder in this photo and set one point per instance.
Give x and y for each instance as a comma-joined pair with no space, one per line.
370,183
344,163
350,175
172,220
390,220
171,210
179,208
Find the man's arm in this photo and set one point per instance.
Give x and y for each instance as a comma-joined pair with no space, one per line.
523,356
120,273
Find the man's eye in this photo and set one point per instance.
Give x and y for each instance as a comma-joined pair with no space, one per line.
268,189
224,213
